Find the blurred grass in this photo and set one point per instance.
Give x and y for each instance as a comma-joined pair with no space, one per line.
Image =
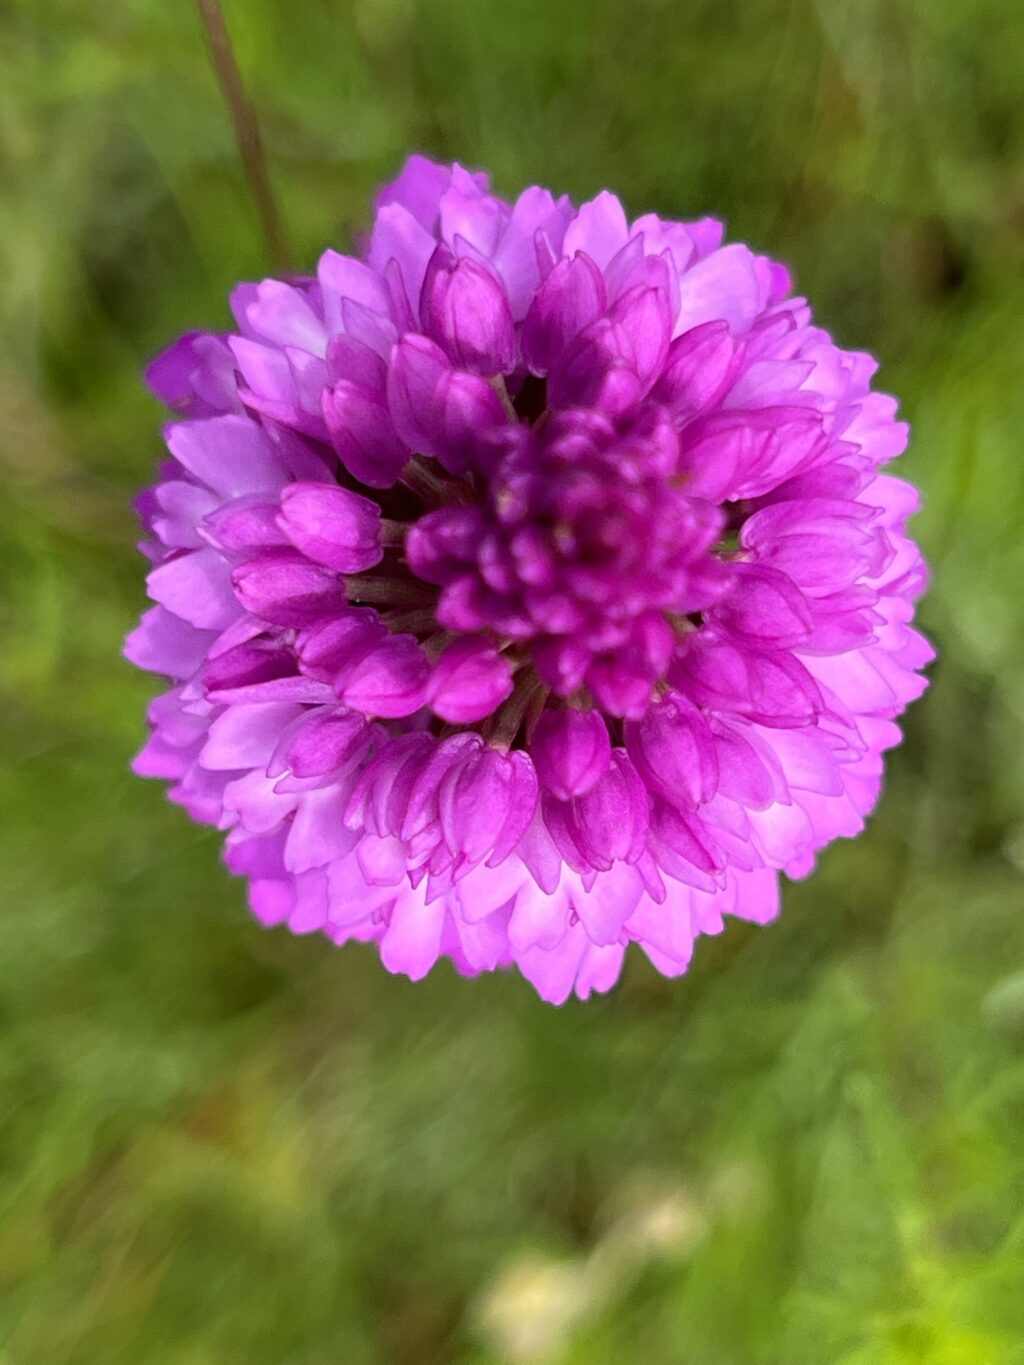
220,1145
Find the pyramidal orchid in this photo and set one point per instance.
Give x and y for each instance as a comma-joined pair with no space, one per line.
527,585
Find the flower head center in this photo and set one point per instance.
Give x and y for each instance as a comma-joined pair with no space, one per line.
581,544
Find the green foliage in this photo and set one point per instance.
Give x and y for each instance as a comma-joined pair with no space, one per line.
221,1145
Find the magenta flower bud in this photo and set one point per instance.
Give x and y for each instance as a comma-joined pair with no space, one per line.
283,587
485,804
605,825
562,662
256,661
462,605
634,266
748,452
674,751
572,297
195,376
686,849
642,320
244,527
438,410
612,363
324,742
764,607
327,647
332,526
419,824
380,799
470,409
465,309
443,544
773,689
595,370
389,680
470,680
468,803
363,434
571,750
355,362
415,374
700,366
622,680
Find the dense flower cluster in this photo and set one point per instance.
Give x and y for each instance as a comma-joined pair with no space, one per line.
528,586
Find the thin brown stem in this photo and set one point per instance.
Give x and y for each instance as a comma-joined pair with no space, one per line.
392,592
504,725
247,132
393,533
534,709
682,626
433,490
435,645
499,387
414,620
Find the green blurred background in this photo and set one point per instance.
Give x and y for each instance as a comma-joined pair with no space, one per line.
223,1145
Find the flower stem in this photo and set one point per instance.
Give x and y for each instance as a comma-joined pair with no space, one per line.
499,387
247,132
432,489
528,697
392,532
379,590
415,621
